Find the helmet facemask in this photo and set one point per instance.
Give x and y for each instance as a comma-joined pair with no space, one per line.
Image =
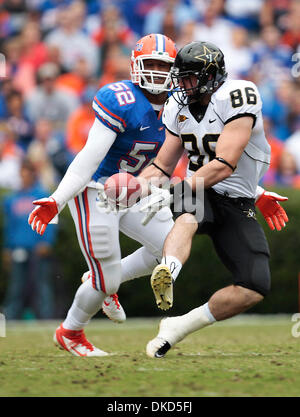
202,63
148,79
207,83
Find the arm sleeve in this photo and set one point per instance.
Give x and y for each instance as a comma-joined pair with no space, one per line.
86,162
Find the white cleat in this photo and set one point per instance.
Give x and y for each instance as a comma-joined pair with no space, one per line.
167,337
113,309
111,305
162,285
75,342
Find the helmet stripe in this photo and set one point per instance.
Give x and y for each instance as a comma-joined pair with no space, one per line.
160,43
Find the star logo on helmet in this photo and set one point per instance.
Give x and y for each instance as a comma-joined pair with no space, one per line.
208,57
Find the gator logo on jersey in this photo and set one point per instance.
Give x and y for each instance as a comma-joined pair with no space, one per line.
182,118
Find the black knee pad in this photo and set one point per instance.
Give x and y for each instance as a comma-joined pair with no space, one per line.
185,200
258,276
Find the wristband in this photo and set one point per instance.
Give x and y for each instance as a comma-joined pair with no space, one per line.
225,162
164,172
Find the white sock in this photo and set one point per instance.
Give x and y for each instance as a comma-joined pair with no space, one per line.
138,264
196,319
86,304
173,264
174,329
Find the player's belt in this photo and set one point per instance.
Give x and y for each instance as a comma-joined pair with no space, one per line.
226,196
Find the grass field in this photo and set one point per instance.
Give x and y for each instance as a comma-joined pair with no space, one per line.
244,356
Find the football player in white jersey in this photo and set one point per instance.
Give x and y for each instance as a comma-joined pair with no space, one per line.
219,122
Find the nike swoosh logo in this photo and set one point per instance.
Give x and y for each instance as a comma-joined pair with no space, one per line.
211,121
144,127
70,346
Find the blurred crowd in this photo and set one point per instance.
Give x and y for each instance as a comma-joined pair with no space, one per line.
55,55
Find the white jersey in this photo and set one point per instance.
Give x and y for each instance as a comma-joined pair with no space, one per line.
234,99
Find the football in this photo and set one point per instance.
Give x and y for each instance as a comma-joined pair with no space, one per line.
123,188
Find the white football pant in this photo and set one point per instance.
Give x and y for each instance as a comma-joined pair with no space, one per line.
98,237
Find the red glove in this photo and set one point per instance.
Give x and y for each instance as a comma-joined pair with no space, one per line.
45,211
272,211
